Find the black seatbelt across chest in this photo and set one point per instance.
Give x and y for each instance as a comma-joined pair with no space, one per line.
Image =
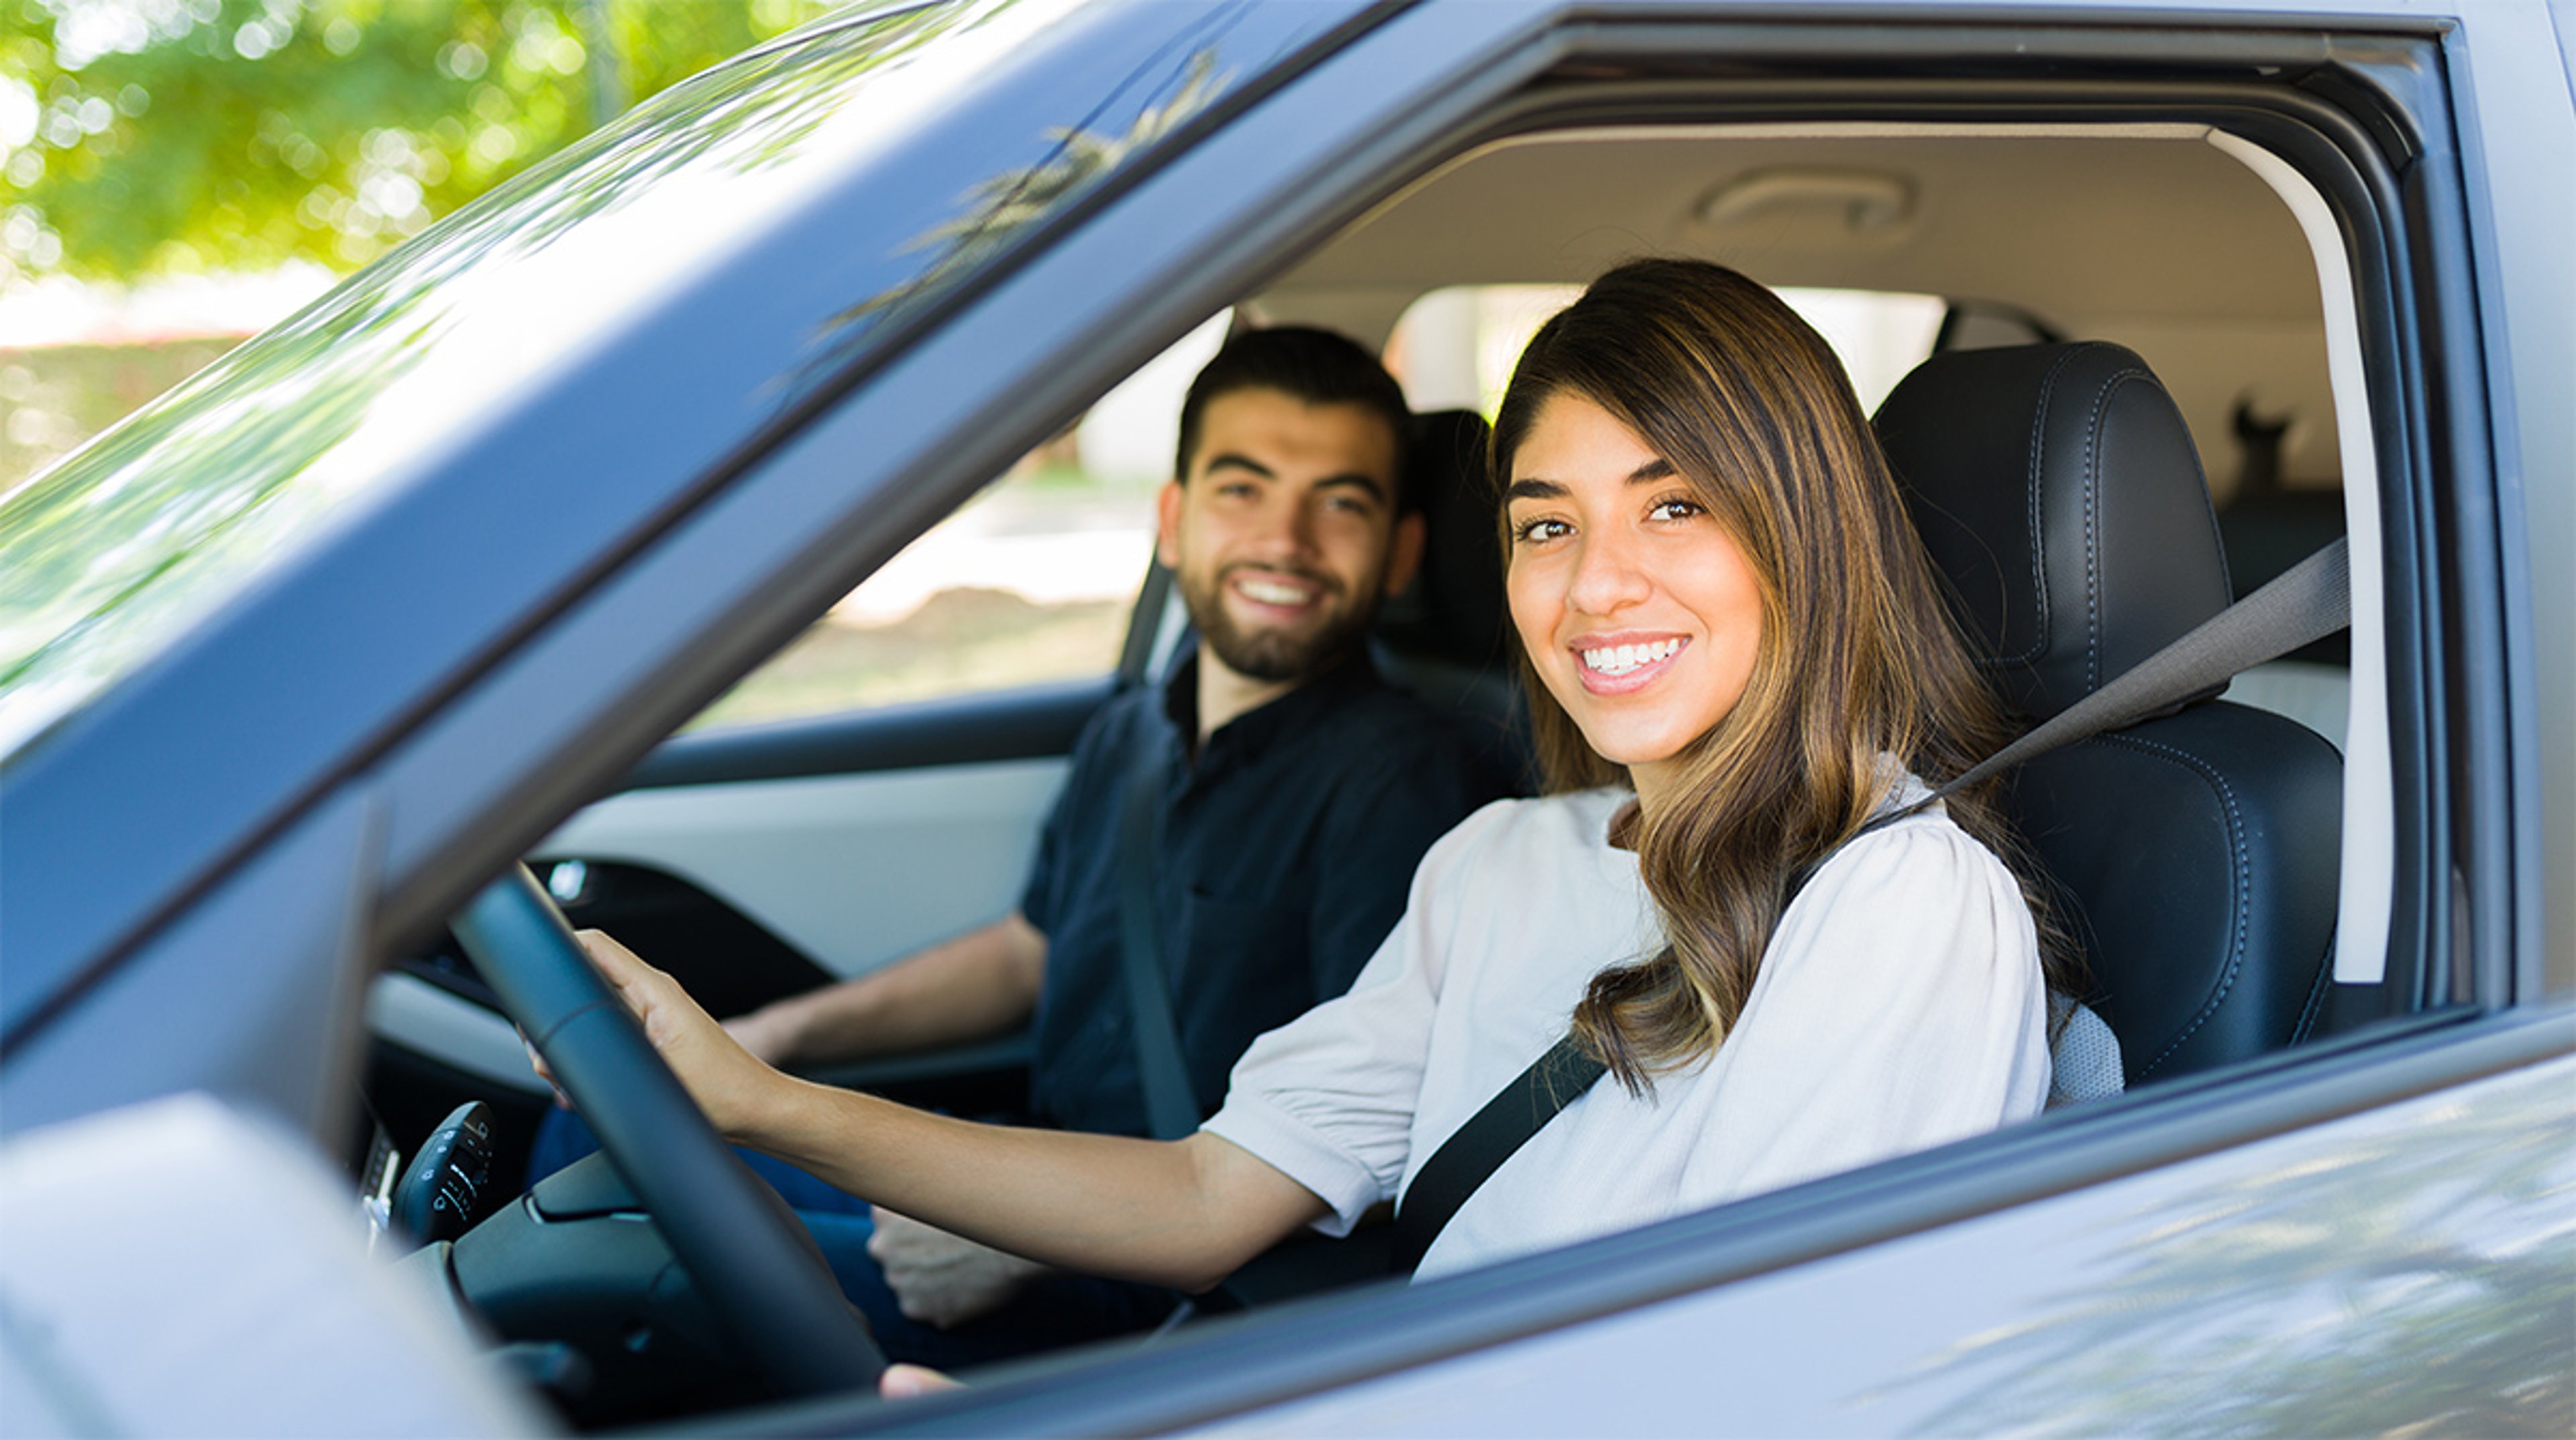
1171,1110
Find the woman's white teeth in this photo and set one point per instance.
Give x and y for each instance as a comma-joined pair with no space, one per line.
1272,593
1620,659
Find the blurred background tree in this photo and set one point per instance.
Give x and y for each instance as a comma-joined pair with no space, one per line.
143,141
176,136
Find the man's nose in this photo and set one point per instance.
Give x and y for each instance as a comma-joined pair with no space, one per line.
1283,529
1607,576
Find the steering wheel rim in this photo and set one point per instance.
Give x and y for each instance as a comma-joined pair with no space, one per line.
761,1276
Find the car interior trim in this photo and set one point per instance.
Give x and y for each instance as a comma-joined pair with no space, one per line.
785,850
1024,723
2369,801
445,1026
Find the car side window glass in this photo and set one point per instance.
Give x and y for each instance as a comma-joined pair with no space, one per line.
1032,581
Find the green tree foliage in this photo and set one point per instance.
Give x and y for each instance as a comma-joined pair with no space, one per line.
144,137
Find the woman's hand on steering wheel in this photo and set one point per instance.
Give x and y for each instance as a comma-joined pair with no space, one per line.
730,1084
589,1009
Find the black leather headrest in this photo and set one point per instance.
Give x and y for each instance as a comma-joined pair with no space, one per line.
1454,610
2058,491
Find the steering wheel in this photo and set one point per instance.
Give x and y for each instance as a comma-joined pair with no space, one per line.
760,1272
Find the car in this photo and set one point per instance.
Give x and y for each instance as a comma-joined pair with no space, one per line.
302,659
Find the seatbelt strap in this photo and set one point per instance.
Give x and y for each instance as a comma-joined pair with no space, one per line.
2303,604
1171,1109
1475,1150
2307,602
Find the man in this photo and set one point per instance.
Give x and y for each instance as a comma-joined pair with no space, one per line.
1296,794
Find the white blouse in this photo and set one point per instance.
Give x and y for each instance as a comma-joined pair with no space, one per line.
1899,1006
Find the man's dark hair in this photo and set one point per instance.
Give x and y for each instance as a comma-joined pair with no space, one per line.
1316,366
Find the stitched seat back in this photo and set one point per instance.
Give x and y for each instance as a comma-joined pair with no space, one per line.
2058,493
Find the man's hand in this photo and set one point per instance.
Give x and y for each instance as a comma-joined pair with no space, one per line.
941,1279
769,1033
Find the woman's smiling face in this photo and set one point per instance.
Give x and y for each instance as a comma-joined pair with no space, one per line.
1639,611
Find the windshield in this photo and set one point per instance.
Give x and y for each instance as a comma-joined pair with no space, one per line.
108,559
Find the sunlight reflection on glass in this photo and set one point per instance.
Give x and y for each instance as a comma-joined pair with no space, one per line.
108,557
2411,1278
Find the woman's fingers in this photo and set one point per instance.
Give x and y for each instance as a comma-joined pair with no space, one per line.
726,1080
655,999
903,1382
623,969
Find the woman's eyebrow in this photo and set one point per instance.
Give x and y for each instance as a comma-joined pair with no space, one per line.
1658,468
1533,490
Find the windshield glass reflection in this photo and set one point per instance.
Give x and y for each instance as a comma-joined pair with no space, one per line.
106,559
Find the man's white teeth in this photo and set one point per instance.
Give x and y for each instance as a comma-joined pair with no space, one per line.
1620,659
1271,593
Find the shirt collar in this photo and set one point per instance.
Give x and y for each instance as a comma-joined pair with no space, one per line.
1254,731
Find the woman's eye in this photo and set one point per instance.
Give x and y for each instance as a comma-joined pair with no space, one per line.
1530,532
1675,508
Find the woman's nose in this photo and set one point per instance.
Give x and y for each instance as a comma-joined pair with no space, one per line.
1607,577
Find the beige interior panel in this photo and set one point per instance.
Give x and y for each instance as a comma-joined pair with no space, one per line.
2158,241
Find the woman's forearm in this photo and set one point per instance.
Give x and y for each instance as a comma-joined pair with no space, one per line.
1182,1214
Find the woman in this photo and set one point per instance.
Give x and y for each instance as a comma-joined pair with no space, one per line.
1736,659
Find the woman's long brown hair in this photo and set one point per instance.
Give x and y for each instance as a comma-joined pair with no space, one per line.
1858,657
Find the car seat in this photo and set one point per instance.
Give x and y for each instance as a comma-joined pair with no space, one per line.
2195,858
1448,637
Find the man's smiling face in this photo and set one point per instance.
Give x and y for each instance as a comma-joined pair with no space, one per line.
1284,534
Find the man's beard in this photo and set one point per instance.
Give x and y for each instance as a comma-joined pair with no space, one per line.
1271,654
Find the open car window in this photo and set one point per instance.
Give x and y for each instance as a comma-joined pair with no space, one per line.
1034,580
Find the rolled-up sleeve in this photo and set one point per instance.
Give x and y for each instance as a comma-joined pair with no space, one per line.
1328,1099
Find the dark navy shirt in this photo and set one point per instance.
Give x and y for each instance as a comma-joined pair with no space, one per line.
1286,849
